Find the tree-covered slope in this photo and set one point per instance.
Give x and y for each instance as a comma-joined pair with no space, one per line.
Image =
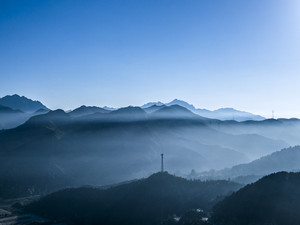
146,201
273,200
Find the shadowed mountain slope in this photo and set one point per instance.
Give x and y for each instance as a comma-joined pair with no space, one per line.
21,103
153,108
87,110
284,160
287,130
175,111
146,201
274,199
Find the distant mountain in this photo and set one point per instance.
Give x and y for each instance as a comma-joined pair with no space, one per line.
181,103
10,118
233,114
146,201
220,114
41,111
147,105
174,111
109,108
7,110
52,117
153,108
285,160
274,199
21,103
87,110
287,130
128,113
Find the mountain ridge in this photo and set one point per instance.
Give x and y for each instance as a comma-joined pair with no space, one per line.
221,113
87,110
286,159
24,104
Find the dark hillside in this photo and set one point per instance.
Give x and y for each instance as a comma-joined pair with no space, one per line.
146,201
274,199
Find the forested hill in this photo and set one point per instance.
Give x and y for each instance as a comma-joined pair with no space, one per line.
146,201
274,199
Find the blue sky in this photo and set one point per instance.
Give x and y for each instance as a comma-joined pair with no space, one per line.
211,53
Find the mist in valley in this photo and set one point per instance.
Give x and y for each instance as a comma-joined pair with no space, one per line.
55,158
149,112
94,146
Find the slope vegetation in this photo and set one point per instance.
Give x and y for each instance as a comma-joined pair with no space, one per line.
146,201
275,199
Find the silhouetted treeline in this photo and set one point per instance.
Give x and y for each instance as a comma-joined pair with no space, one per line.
146,201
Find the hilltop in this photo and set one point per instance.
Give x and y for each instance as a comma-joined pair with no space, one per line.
145,201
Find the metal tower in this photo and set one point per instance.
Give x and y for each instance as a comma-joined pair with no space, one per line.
162,162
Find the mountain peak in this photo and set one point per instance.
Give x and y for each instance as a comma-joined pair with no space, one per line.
181,103
87,110
56,115
233,114
24,104
226,109
129,109
109,108
149,104
219,114
153,108
174,111
128,113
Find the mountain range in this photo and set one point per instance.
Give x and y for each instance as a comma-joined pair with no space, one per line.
220,114
28,108
96,146
56,149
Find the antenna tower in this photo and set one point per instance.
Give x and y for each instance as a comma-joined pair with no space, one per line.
162,162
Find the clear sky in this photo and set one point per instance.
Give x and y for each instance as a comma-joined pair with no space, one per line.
212,53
